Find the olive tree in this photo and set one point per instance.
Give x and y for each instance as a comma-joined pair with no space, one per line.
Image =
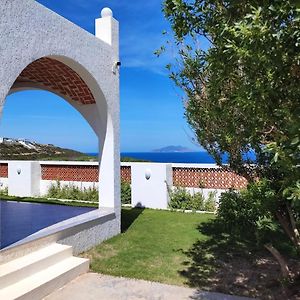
242,91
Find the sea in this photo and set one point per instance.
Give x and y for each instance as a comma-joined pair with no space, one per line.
171,157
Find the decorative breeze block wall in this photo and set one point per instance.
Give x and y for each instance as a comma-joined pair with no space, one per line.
210,178
78,173
70,173
4,170
126,174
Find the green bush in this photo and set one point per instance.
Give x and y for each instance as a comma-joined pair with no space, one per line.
4,191
72,192
210,203
125,192
250,212
181,198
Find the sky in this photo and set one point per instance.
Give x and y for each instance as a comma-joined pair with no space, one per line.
152,113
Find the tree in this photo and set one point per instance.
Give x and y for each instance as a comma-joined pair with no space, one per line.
243,92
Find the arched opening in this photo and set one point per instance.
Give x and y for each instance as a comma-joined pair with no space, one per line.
58,76
53,76
41,50
64,77
46,118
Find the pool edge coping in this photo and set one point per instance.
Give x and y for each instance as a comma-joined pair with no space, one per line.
56,232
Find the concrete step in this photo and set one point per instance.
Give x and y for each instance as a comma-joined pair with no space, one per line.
35,275
42,283
22,267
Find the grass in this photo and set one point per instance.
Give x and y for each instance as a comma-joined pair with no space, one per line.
189,250
152,245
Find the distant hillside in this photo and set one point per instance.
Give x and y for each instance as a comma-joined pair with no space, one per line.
12,149
173,149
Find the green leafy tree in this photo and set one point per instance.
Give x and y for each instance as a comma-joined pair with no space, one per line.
239,65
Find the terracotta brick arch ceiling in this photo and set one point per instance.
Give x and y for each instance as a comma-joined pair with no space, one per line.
55,76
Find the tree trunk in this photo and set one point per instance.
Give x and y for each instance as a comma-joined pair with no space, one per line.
286,225
294,227
285,271
289,225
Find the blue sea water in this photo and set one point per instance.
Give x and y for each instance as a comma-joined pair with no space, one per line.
178,157
170,157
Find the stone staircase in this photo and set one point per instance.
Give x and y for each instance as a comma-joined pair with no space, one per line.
35,275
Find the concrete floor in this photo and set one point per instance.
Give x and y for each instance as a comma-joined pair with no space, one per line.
93,286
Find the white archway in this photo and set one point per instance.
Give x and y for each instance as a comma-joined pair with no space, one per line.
30,36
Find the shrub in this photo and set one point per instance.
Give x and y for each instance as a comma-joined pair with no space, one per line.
181,198
249,211
210,204
4,191
235,212
72,192
125,192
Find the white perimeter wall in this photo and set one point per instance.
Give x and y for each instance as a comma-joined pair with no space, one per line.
3,183
151,192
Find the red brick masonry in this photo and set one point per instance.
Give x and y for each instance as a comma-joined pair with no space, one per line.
126,174
4,170
78,173
70,173
182,176
207,178
55,76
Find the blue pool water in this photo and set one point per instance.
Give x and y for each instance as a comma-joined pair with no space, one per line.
21,219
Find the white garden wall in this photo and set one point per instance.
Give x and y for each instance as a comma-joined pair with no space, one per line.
148,181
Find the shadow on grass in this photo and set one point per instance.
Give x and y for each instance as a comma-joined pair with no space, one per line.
128,216
228,263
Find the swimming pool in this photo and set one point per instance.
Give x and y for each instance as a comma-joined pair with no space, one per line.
21,219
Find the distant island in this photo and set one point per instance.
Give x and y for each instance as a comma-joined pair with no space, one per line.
169,149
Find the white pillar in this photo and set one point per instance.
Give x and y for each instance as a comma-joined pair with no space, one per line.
109,177
24,178
107,29
149,184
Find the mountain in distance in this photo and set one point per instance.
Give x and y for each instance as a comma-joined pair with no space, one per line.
169,149
23,149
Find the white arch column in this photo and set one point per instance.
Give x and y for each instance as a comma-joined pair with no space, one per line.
107,29
31,35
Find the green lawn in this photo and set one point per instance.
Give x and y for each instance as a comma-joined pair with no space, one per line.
188,249
152,245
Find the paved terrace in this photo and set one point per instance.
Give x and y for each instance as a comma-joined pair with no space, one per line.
93,286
